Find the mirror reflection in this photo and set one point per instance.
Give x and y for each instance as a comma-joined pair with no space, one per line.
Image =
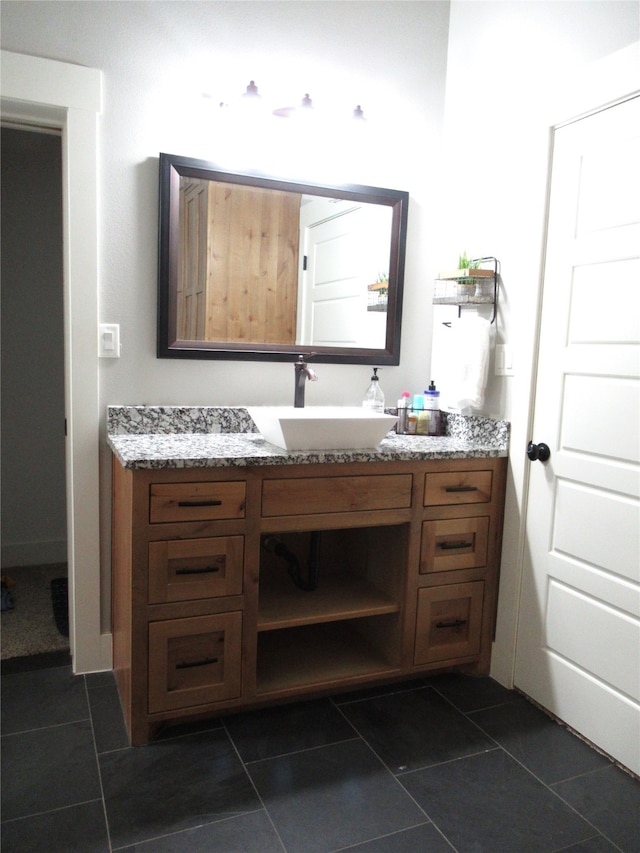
256,267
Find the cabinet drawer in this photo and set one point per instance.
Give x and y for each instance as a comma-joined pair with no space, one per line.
458,487
454,543
194,661
196,501
184,569
449,622
306,496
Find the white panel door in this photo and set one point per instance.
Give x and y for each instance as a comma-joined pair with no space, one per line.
346,248
578,647
336,296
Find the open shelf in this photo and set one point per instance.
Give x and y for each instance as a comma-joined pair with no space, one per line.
468,286
462,299
349,627
319,655
338,596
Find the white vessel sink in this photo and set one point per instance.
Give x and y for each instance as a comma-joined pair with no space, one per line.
321,427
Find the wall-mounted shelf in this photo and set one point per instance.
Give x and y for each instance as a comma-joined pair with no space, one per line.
469,286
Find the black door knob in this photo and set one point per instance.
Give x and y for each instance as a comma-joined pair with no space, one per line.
540,451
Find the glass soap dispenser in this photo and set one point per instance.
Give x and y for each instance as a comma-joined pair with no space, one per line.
374,396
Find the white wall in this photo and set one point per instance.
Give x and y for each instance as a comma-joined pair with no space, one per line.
158,58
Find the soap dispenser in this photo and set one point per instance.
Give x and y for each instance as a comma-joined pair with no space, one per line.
374,397
432,404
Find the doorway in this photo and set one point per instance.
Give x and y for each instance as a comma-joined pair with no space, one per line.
69,97
34,540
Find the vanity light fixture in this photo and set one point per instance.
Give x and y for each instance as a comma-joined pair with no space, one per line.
305,108
252,90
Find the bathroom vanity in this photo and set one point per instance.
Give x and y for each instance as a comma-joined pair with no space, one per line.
206,618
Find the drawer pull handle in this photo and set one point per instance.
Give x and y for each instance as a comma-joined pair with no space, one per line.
455,623
190,664
461,489
203,571
200,503
450,546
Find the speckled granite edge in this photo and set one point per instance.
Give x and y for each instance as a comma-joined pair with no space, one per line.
172,420
473,428
243,449
202,437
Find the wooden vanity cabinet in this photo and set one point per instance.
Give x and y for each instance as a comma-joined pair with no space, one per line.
207,620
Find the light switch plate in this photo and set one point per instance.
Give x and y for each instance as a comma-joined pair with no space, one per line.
108,340
504,360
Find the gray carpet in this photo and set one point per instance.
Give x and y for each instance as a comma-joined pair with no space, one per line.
30,628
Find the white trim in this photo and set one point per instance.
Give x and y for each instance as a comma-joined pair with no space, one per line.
32,79
70,97
42,127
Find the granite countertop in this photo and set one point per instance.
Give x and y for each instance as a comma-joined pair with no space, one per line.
214,437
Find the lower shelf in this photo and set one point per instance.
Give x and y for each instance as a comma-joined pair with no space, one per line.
463,299
338,596
318,655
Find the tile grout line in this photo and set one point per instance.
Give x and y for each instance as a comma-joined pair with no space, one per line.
300,751
251,782
55,810
385,765
98,767
178,832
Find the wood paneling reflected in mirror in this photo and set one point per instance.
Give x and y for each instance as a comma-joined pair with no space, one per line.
254,267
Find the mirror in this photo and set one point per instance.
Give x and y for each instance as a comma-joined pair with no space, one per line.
255,267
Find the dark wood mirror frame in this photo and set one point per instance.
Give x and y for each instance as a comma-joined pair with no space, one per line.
172,169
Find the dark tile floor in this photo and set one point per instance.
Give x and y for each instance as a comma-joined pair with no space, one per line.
441,764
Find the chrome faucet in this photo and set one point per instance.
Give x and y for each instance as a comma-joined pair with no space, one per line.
303,372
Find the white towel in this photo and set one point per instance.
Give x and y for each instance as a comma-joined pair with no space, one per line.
468,362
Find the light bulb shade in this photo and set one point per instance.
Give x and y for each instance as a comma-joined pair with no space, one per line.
250,99
306,106
252,90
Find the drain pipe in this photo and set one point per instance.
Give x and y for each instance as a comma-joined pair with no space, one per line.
276,546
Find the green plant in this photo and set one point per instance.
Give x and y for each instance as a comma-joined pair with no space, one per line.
383,278
464,263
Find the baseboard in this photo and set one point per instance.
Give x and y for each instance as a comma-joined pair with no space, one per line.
106,647
99,660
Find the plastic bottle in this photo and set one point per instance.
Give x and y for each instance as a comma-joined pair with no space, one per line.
402,427
432,407
422,424
374,396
